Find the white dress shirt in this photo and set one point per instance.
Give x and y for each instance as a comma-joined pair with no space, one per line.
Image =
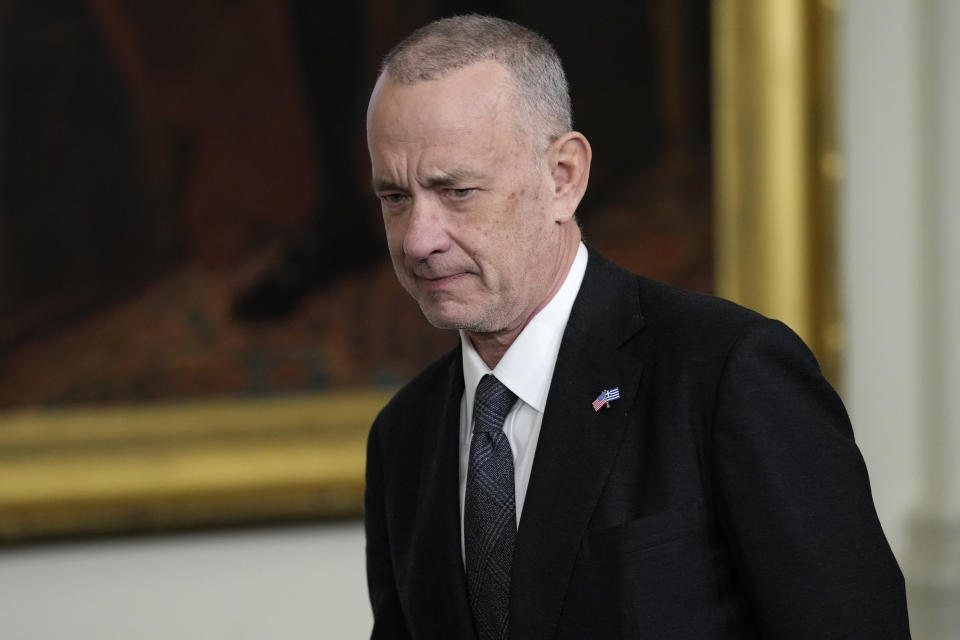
526,369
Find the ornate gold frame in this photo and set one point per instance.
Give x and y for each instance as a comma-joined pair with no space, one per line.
173,465
228,461
777,165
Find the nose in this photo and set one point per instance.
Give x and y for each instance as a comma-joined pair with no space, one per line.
426,233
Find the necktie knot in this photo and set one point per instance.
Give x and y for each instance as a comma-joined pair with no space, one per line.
491,405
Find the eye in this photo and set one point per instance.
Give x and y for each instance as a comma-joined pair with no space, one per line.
460,194
392,198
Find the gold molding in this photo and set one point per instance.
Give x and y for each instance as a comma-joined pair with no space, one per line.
776,164
212,462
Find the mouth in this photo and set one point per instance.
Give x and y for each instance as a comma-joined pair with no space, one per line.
436,283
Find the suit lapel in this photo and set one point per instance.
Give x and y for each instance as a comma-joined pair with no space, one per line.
437,564
577,445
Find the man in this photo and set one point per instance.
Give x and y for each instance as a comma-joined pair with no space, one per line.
603,456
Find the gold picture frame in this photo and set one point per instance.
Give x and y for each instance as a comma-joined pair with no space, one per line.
777,166
95,470
70,471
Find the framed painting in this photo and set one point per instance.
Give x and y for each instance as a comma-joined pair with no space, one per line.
198,322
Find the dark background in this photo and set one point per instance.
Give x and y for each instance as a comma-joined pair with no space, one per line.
184,199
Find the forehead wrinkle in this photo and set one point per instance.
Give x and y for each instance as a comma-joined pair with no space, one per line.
465,144
458,157
391,170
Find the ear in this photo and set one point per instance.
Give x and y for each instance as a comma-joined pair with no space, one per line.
569,162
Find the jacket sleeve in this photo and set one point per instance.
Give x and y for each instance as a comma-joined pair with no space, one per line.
794,500
388,620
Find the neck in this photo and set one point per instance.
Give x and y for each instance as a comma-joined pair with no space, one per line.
491,346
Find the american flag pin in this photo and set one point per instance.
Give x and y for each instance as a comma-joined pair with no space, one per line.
603,400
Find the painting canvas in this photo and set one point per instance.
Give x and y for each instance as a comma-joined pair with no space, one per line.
198,320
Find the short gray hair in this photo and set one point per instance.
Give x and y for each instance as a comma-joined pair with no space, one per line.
449,44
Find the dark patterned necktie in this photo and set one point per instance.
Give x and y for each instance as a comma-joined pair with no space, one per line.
490,511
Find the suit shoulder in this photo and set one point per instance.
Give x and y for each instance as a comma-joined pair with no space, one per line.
685,322
663,307
667,306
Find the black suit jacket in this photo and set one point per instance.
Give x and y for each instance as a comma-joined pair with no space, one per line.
722,496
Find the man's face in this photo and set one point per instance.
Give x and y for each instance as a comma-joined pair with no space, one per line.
466,205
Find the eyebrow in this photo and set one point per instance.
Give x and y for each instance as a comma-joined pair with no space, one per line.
385,184
442,179
452,177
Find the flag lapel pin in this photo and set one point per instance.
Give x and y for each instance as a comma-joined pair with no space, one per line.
603,400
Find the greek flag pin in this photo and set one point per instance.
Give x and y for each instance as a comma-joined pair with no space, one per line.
603,400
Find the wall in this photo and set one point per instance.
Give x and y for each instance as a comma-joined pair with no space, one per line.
291,583
899,74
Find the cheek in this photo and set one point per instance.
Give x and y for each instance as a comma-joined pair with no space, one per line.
395,229
526,215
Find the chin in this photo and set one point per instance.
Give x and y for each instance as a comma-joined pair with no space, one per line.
443,320
446,318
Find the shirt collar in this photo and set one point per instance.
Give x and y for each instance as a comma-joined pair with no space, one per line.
527,366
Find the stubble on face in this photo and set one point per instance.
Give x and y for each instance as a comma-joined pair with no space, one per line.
498,246
495,259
